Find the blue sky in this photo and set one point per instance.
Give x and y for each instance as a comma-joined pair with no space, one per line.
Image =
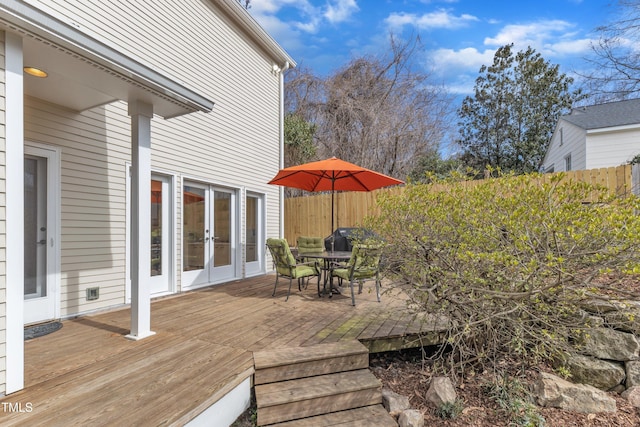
458,36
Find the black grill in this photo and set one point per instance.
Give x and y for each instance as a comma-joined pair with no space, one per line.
344,236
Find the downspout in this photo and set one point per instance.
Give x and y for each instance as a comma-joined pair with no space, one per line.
284,68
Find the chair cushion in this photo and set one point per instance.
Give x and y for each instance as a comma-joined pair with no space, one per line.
365,260
343,273
304,271
310,244
281,253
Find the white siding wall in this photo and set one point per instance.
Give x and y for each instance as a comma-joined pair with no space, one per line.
606,149
94,147
573,143
3,242
235,145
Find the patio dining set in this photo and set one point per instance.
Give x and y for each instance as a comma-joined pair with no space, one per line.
313,259
354,264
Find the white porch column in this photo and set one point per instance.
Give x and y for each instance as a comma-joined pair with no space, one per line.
141,114
14,185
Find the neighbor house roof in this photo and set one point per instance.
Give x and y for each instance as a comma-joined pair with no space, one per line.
610,114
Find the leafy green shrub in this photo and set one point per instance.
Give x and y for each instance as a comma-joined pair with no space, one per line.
507,262
450,410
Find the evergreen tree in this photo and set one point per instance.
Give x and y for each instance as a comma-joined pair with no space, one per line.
517,101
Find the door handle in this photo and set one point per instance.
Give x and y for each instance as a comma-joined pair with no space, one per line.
41,242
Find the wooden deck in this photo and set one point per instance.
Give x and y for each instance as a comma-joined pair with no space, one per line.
87,373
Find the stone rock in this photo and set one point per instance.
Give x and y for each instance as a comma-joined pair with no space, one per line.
633,373
598,373
393,402
441,391
411,418
632,395
627,319
598,306
595,321
552,391
618,389
605,343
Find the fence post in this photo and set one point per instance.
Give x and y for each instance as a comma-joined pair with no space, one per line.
635,179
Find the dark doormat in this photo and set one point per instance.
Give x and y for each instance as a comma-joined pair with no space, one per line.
36,331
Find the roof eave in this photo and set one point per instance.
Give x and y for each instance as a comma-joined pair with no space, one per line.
32,20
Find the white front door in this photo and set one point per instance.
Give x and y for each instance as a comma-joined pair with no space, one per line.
254,238
41,294
209,235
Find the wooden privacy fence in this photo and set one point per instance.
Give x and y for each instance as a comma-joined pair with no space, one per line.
311,215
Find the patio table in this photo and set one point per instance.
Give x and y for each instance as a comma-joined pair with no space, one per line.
327,265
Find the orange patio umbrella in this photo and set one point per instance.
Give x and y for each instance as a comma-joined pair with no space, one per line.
332,175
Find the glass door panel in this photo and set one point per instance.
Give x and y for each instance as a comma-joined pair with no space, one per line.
254,237
221,229
161,269
193,228
156,228
251,225
35,228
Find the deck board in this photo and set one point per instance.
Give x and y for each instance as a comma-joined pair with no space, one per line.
87,373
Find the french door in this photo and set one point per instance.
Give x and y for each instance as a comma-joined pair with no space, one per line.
209,235
41,293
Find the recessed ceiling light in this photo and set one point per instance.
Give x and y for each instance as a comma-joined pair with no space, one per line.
35,72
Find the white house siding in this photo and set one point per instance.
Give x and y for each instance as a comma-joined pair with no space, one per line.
94,146
236,145
612,148
572,144
3,243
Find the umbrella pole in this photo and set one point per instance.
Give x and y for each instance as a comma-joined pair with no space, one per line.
333,237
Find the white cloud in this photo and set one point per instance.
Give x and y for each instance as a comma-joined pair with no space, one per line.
443,60
570,47
340,10
530,34
548,37
438,19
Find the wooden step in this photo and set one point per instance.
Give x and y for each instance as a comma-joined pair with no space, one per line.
369,416
307,397
300,362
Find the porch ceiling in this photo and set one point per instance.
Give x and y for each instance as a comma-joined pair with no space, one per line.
71,83
84,73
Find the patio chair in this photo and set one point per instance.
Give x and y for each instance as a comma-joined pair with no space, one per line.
363,265
307,245
287,266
